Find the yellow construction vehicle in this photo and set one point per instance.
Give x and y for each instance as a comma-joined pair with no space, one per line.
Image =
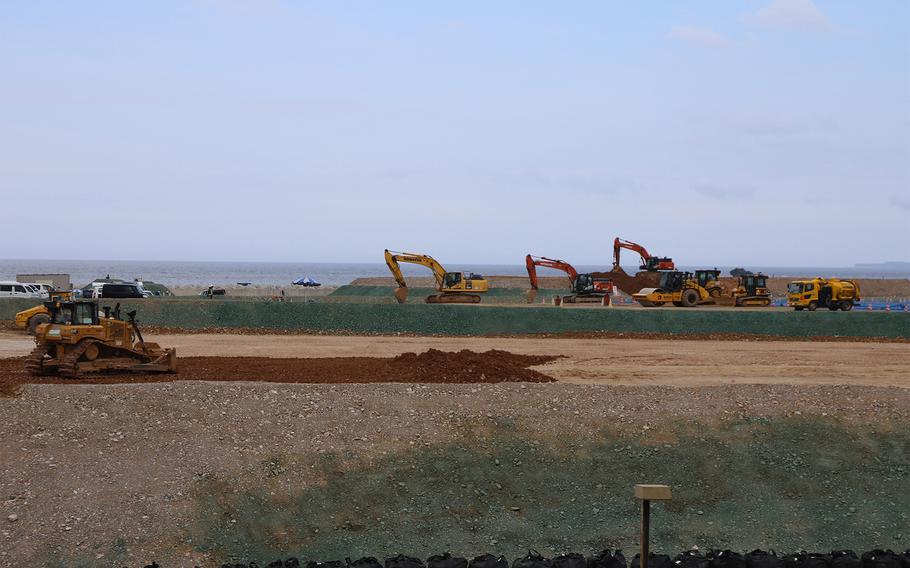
31,318
831,293
679,288
708,279
77,341
453,287
752,290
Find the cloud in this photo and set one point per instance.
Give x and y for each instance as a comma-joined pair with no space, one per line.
900,202
792,14
705,37
743,193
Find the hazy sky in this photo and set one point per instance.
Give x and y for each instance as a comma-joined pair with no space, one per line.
767,132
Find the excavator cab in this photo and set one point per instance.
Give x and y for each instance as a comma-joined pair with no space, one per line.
654,263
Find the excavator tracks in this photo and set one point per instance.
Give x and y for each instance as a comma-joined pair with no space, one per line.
453,299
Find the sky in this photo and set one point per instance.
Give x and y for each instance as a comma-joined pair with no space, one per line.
758,132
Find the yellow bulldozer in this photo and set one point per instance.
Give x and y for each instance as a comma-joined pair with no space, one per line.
452,287
676,287
78,340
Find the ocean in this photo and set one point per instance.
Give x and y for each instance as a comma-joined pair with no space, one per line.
173,273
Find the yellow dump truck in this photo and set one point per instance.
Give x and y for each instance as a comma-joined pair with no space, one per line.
831,293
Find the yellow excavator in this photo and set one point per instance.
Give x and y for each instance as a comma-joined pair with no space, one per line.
452,287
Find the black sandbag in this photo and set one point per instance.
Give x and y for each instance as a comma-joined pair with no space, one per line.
844,559
275,564
446,560
532,560
608,559
488,561
654,561
795,560
365,562
402,561
817,560
763,559
726,559
881,559
570,560
292,562
326,564
691,559
905,559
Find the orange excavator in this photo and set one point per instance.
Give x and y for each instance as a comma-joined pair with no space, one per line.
585,287
648,262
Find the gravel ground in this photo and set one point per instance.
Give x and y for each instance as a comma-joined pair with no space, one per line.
201,472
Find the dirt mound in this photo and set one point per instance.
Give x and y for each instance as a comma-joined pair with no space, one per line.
630,284
432,366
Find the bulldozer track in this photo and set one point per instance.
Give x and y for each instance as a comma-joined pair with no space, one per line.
68,363
34,360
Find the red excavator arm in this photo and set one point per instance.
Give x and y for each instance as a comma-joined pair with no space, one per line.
533,262
648,262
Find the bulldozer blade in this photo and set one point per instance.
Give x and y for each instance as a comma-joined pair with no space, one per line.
401,294
531,295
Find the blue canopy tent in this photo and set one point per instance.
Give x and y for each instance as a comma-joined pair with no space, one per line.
305,281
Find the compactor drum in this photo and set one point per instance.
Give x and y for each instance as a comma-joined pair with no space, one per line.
77,341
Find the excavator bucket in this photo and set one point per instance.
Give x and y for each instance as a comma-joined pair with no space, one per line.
531,295
401,294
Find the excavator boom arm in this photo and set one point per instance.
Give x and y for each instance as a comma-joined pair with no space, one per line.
619,244
392,259
532,262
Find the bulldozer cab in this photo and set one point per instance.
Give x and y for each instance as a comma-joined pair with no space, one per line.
704,277
73,313
753,282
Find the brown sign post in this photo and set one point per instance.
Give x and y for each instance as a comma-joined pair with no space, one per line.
648,493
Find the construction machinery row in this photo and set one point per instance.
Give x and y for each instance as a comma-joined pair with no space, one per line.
657,283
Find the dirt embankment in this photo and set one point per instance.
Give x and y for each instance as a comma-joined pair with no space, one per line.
432,366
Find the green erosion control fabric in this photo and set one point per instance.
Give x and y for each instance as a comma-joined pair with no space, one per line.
490,320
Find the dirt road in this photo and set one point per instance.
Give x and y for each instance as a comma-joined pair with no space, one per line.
597,361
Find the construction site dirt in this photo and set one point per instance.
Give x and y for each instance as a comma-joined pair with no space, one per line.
431,366
277,445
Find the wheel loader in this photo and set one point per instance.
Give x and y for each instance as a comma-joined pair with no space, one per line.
676,287
30,319
78,341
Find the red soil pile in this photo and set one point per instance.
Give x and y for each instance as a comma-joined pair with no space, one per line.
432,366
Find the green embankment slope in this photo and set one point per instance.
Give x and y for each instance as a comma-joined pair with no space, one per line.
423,319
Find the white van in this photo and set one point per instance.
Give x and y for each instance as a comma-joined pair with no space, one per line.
10,289
43,290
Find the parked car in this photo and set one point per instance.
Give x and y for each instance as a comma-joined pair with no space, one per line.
10,289
108,290
43,290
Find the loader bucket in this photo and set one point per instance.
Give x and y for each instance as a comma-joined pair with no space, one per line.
401,294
